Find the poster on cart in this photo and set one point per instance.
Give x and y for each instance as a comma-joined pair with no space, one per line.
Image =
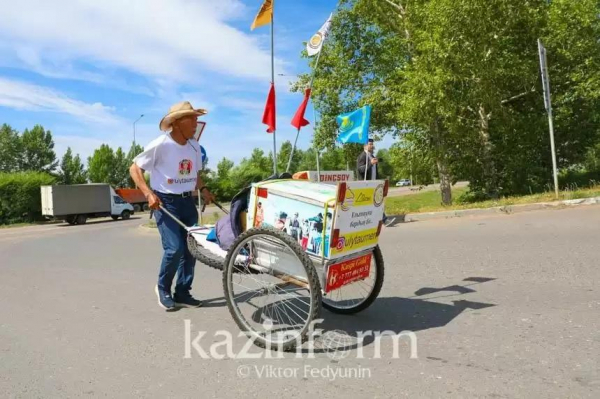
358,216
307,223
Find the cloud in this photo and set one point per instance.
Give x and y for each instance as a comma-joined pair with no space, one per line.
29,97
176,40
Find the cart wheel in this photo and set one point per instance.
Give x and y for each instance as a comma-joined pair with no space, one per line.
203,255
357,296
271,288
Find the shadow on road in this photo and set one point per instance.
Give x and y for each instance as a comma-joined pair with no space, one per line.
396,314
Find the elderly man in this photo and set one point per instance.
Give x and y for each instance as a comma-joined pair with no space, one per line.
174,162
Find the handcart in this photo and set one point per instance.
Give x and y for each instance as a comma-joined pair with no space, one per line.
299,246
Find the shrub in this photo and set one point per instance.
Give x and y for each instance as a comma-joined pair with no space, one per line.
20,197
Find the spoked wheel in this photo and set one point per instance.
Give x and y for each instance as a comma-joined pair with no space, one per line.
271,288
203,255
357,296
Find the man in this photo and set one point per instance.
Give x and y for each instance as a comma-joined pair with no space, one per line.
174,162
367,163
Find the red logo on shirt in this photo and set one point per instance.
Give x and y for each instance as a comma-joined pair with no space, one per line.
185,167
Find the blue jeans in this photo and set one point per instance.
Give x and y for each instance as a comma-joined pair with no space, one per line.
176,258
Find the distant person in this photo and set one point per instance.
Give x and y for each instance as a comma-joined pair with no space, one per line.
174,162
367,163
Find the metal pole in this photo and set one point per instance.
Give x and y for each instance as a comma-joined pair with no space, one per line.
273,80
312,78
310,87
551,124
548,105
292,154
141,116
200,207
316,146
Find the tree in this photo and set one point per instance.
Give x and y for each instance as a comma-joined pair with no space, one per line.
71,169
9,149
283,157
223,184
133,152
460,75
120,176
37,150
102,165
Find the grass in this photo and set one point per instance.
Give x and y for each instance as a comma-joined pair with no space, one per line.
430,201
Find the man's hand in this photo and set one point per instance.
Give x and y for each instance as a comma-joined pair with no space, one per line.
374,161
153,201
207,197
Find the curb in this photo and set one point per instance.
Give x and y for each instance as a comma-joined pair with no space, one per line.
507,209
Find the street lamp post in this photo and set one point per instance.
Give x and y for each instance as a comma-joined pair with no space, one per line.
141,116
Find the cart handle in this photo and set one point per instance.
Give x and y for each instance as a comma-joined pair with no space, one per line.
179,222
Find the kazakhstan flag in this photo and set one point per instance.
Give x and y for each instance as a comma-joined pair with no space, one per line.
354,126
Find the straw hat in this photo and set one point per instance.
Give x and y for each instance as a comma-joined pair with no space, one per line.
177,111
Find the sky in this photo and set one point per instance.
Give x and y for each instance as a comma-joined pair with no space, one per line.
87,69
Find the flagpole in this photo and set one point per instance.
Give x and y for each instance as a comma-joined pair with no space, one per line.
273,82
292,154
312,79
316,146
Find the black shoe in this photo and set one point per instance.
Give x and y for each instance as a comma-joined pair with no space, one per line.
187,301
165,300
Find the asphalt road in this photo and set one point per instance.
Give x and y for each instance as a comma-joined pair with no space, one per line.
501,306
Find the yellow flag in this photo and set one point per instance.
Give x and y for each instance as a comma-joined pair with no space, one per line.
264,15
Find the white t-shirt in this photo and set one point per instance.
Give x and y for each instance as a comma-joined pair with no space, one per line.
173,167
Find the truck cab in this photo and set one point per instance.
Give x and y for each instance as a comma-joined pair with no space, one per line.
119,207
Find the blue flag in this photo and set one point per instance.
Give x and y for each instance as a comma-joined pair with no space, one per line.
354,126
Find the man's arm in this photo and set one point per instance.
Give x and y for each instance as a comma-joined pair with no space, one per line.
137,175
207,196
362,163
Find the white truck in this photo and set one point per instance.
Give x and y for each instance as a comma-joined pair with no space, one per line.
76,203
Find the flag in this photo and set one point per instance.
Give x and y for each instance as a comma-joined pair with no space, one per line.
264,16
269,115
316,41
354,126
299,120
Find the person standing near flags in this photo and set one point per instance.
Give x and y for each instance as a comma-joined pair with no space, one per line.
174,162
367,162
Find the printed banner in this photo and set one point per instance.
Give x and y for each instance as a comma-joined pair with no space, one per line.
348,272
358,217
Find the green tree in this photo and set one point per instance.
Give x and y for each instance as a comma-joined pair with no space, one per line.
308,161
72,170
102,165
133,152
223,184
37,150
120,176
10,144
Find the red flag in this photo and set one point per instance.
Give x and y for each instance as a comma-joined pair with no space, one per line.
269,115
299,120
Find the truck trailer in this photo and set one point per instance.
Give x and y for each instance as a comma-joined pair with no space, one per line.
76,203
